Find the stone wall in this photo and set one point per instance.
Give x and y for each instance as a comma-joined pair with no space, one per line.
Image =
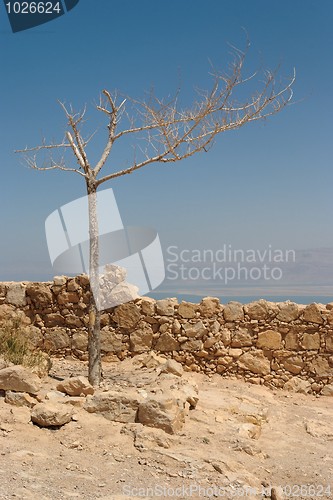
278,344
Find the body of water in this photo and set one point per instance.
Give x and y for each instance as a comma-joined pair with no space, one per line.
299,299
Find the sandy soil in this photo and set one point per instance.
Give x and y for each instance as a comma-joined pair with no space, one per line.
240,436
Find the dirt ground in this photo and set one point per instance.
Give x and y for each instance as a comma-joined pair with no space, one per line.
239,441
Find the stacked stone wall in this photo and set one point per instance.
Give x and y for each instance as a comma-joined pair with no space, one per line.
278,344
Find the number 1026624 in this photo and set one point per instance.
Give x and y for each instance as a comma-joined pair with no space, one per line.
34,7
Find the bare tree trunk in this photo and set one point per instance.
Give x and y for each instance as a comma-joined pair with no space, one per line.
95,365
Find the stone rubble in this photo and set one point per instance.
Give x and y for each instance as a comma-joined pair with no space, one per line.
263,342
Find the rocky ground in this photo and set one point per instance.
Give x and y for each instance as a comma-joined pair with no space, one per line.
239,440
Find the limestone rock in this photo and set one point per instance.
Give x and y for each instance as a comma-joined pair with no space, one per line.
241,338
312,314
293,364
320,367
148,306
51,414
167,343
172,366
16,294
233,311
146,438
56,339
187,310
270,339
181,389
111,341
141,338
196,330
209,306
258,309
20,399
80,341
54,319
311,341
153,361
327,390
329,343
192,345
115,406
7,312
120,294
127,315
289,311
255,363
39,293
19,379
291,341
75,386
68,298
166,307
59,280
296,384
163,413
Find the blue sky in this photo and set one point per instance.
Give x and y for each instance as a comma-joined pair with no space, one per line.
269,183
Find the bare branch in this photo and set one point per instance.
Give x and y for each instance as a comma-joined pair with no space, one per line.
171,133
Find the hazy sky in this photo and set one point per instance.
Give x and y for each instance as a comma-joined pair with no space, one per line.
267,184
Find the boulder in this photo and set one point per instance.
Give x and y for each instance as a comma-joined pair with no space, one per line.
187,310
289,311
166,307
153,361
20,399
329,343
327,390
312,314
255,363
320,367
167,343
75,386
233,311
294,364
270,339
209,306
196,330
19,379
56,339
80,341
181,389
141,338
111,341
192,345
51,414
16,295
172,366
40,294
311,341
127,315
115,406
162,412
291,341
241,338
148,306
257,310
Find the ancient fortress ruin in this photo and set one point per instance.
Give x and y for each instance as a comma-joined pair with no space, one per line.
283,345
